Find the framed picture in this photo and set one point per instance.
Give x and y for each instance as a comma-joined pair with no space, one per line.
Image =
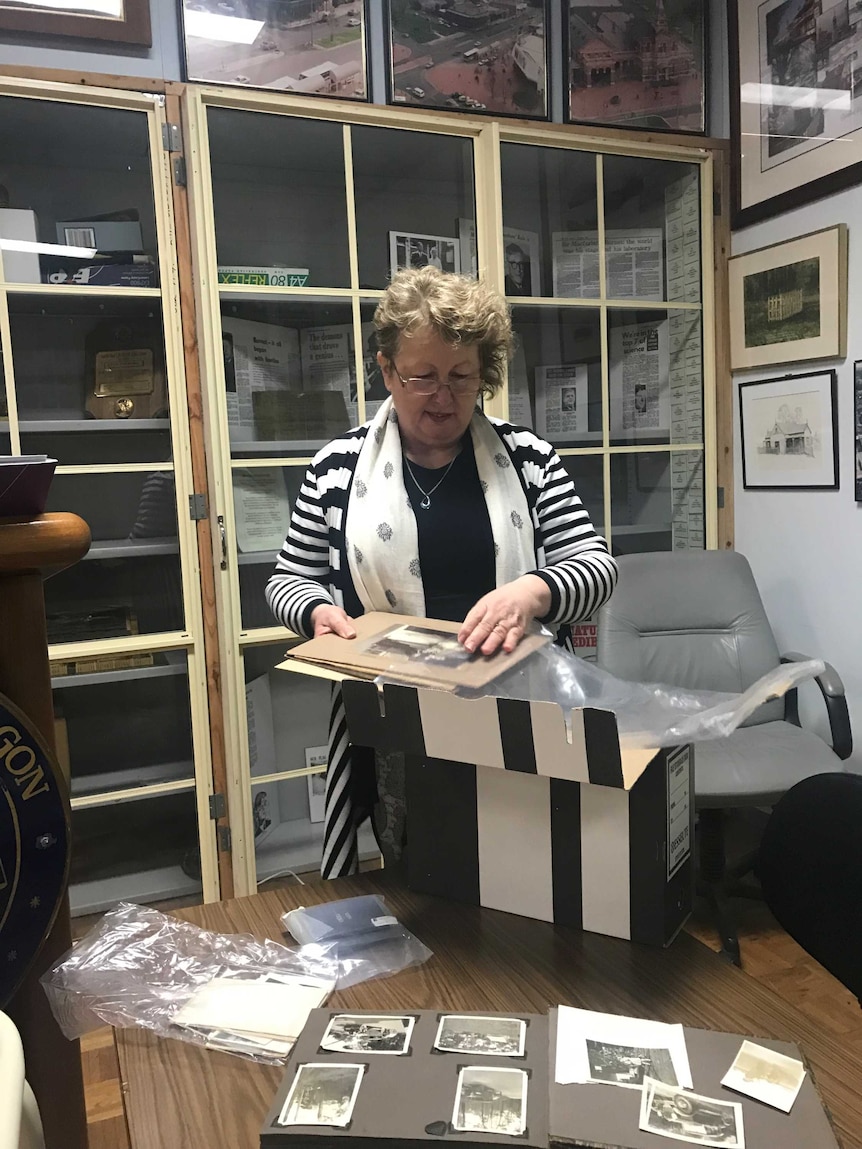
637,64
796,103
470,57
788,302
857,427
408,250
788,432
117,21
521,255
314,47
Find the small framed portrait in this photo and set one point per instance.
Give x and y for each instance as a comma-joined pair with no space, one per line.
788,302
788,430
409,250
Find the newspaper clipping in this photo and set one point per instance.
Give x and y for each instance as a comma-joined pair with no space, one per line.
562,394
257,357
639,379
634,264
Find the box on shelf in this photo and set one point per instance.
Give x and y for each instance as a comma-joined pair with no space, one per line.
255,276
101,274
103,232
604,834
19,224
101,664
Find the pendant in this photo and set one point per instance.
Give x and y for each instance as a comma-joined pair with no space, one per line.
426,503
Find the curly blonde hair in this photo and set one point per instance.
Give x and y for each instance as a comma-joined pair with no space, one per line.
459,309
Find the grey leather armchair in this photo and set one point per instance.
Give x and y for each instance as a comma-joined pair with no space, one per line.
695,619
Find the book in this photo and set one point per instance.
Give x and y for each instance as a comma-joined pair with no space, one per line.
256,276
24,484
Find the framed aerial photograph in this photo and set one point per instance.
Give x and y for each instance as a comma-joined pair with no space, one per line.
117,21
788,432
472,56
857,427
409,250
637,63
796,103
788,302
314,47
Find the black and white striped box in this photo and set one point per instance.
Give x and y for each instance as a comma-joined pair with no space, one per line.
511,808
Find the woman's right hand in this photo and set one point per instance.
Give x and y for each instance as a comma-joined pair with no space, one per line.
330,619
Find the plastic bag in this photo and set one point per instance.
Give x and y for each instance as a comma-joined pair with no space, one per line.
648,714
366,939
138,967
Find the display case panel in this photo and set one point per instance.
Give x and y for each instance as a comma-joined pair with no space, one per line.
279,198
263,498
652,229
555,379
550,222
78,202
90,378
415,202
657,501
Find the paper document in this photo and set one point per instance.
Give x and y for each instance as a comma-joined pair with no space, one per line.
268,1009
616,1050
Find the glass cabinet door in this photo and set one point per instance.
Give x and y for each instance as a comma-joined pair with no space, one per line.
93,378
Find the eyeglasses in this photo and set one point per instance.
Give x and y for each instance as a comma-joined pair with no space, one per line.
430,384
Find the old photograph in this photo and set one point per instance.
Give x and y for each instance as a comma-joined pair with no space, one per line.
420,644
476,56
311,46
628,1065
500,1036
407,250
770,1077
322,1095
690,1117
359,1033
637,64
588,1042
782,304
491,1101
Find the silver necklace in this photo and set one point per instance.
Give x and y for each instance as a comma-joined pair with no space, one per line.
426,502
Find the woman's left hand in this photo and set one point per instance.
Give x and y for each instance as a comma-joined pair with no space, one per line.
501,617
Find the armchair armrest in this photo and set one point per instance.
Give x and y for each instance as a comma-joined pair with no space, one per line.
832,689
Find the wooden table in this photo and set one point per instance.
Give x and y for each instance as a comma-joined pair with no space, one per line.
178,1095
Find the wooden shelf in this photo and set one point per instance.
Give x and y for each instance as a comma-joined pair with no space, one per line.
275,447
104,677
131,548
89,785
258,558
140,887
62,425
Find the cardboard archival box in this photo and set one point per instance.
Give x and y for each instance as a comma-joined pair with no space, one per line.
604,834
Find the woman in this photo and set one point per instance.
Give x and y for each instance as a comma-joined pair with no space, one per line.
433,510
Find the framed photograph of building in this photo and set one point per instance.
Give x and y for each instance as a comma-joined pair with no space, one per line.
788,430
471,55
408,250
315,47
116,21
637,64
796,102
788,302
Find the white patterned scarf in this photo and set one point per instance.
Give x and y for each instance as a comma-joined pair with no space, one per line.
381,536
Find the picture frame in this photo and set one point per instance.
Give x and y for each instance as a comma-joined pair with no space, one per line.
655,80
788,301
409,249
324,54
114,21
857,429
787,150
789,432
492,63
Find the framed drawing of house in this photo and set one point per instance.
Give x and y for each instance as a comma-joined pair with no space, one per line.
788,430
119,21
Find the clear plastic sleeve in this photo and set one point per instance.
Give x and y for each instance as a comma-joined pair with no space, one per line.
139,967
361,932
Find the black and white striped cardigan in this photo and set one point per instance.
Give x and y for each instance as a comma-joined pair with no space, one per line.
312,568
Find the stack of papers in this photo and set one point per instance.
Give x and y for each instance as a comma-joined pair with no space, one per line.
260,1018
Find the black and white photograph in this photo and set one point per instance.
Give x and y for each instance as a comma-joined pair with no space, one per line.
611,1045
359,1033
491,1101
857,427
521,262
472,56
788,432
489,1036
316,47
421,644
690,1117
322,1095
770,1077
406,250
628,1065
637,64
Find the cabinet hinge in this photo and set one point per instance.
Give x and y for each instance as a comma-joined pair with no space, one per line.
180,172
225,843
197,507
721,498
172,141
218,807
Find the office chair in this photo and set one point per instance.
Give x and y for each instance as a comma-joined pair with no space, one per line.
694,619
810,871
20,1124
